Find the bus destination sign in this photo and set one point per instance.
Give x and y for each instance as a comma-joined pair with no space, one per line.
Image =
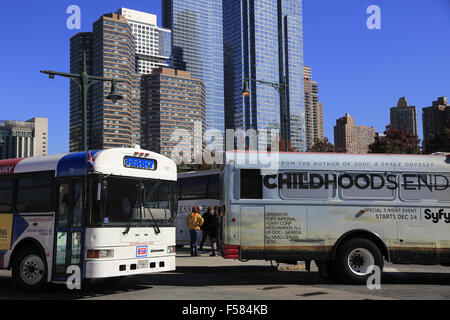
139,163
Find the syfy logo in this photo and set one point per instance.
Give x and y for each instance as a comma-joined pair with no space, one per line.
435,217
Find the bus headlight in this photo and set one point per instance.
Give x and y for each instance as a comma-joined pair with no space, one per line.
100,254
171,249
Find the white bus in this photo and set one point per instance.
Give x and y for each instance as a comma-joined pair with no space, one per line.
110,212
346,212
197,188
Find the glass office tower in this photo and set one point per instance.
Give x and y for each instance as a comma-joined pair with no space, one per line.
263,40
197,47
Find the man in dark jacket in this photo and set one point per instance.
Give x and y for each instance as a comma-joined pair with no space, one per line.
210,227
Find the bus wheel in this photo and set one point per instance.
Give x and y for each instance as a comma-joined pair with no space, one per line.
30,270
355,259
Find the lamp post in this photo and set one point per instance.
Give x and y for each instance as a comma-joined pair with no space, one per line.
85,81
282,90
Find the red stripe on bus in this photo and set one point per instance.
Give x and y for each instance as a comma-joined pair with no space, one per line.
230,251
8,166
339,153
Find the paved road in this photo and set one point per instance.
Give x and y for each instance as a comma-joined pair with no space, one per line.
213,278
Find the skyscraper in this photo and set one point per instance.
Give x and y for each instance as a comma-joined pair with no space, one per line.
111,53
263,40
22,139
153,44
197,47
435,119
172,100
313,110
354,139
404,116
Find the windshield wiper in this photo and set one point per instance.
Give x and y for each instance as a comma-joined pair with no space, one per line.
128,226
155,226
150,196
130,223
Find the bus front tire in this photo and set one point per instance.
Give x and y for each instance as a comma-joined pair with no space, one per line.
29,270
355,258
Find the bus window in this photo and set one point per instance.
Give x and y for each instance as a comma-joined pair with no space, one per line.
157,200
360,186
425,187
63,210
95,194
76,247
122,203
6,194
164,196
78,205
214,187
194,188
34,193
251,184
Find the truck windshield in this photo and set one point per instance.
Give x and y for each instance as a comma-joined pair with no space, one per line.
135,202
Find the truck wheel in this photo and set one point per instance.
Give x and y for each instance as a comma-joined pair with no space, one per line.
29,270
355,259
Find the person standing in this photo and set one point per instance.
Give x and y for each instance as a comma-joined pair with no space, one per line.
194,222
203,231
210,226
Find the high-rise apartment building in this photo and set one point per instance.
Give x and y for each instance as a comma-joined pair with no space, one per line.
197,47
111,53
173,101
404,116
354,139
23,139
153,44
435,119
313,110
80,48
263,40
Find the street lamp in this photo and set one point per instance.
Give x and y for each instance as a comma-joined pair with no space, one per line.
246,91
85,81
114,96
282,90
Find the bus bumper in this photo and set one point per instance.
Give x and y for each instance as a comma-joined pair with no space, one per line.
117,268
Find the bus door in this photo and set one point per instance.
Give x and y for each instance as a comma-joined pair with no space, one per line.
69,231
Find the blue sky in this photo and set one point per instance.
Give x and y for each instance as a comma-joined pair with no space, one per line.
360,71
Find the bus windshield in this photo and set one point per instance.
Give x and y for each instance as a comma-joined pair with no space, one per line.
131,201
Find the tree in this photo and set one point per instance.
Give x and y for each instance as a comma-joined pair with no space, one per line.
396,141
282,146
323,145
439,142
182,167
